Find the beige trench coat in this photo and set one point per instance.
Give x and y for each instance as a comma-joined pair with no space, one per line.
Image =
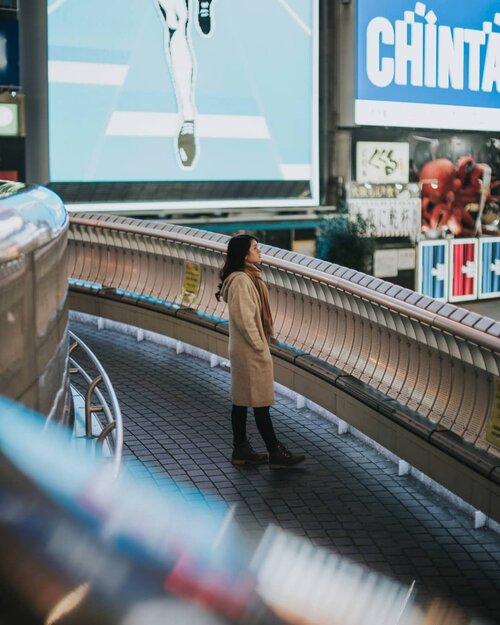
252,375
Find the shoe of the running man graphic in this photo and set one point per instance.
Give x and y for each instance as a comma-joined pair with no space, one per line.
204,16
186,144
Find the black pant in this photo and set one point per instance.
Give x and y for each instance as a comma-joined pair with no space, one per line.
262,421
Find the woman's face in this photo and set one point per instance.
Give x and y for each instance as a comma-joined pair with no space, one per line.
253,254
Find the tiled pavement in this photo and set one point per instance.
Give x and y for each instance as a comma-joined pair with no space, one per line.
346,496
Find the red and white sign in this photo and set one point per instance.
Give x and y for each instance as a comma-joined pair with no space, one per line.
463,270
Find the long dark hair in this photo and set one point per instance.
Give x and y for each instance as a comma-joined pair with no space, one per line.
237,249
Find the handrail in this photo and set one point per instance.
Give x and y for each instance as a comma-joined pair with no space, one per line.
430,358
405,308
114,423
30,217
34,299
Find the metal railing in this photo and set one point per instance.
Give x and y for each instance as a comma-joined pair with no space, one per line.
33,298
112,414
435,359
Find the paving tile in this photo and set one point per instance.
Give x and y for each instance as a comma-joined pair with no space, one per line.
346,497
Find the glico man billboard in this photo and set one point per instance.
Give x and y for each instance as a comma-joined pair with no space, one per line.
433,64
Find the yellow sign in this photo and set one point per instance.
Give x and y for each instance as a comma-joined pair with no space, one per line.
307,247
191,282
493,433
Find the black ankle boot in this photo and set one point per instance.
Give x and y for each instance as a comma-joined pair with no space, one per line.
282,458
243,453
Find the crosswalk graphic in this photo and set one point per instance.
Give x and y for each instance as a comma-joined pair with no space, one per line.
226,91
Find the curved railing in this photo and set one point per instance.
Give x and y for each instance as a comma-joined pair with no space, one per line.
33,299
426,365
112,414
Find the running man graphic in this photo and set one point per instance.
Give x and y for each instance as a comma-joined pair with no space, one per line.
174,15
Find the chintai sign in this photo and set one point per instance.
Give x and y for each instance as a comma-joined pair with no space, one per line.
433,64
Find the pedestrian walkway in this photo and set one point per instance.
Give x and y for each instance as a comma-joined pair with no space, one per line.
346,497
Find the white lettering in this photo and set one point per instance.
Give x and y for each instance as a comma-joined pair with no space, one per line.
430,55
475,39
412,53
380,70
492,63
451,58
419,52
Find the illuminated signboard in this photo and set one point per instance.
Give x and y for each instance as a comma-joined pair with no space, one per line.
433,269
203,95
382,161
489,267
9,119
463,269
432,64
9,53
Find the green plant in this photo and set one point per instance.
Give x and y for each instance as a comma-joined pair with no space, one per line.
347,242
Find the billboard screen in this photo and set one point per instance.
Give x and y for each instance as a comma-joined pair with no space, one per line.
9,119
432,64
216,99
9,53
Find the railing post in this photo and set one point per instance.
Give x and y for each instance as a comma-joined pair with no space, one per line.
89,409
113,417
105,431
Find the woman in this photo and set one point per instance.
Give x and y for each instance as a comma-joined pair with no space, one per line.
250,332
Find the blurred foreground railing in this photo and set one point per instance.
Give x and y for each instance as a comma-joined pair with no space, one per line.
381,357
78,547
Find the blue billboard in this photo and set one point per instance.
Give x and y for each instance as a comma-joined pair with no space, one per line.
433,64
184,91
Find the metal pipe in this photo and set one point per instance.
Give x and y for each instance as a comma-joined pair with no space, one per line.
117,459
89,409
102,400
414,354
401,307
105,431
